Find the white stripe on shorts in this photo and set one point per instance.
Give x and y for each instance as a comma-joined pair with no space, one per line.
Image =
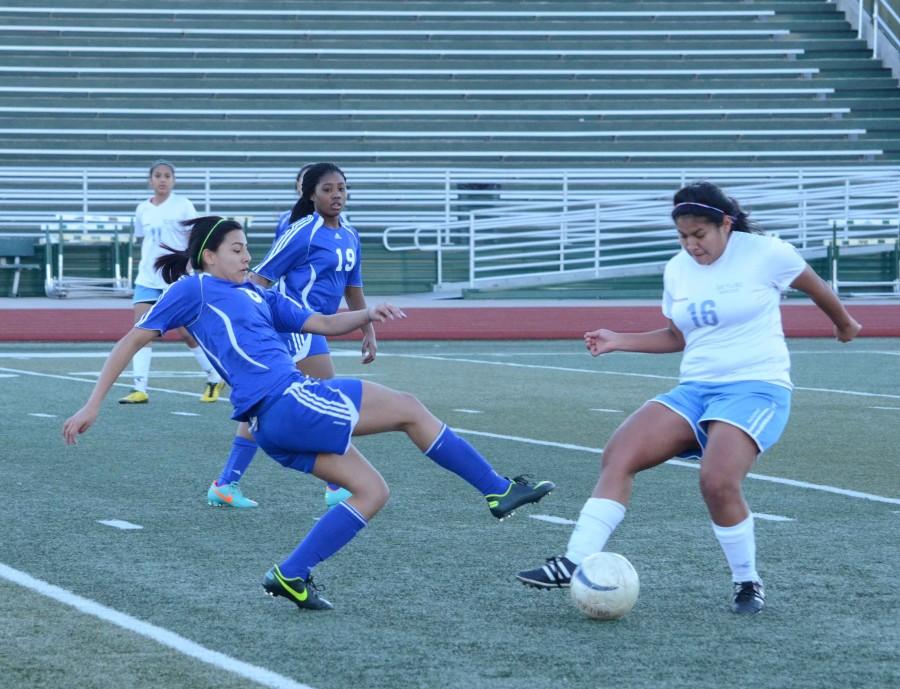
312,401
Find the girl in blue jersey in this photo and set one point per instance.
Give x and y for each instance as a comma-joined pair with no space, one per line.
302,423
315,260
721,299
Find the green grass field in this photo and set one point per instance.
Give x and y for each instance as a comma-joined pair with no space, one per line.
425,596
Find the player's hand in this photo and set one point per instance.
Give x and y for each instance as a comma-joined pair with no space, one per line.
369,347
600,341
78,423
385,312
847,332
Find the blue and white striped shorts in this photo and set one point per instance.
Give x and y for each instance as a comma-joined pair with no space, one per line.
759,409
302,345
311,417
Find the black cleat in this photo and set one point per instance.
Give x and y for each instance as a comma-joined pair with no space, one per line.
302,593
555,574
749,598
521,491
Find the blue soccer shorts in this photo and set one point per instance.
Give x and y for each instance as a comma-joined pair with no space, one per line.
302,345
759,409
310,418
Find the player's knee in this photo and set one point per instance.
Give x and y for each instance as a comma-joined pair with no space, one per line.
718,487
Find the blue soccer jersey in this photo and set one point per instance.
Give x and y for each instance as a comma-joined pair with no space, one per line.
236,325
284,222
314,264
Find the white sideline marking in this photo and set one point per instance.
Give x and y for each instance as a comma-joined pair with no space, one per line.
610,411
83,355
119,524
468,411
88,380
612,373
802,484
887,408
569,446
42,416
176,642
9,375
772,517
550,518
184,413
696,465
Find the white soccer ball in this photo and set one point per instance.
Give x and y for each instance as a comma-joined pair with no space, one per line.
605,586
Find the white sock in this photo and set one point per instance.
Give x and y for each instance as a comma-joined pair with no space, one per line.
140,363
598,519
739,545
212,376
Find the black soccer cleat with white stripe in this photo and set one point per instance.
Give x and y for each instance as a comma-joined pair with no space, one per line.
556,573
749,598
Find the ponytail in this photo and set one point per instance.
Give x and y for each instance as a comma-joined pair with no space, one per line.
207,232
173,264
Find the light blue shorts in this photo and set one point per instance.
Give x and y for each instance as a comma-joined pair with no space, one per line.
759,409
145,295
311,417
302,345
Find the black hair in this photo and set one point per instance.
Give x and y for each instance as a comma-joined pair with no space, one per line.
311,176
301,172
207,232
706,200
160,161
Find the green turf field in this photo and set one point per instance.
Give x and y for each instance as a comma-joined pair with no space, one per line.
425,596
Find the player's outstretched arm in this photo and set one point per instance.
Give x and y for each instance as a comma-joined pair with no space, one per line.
118,359
348,321
660,341
356,300
845,326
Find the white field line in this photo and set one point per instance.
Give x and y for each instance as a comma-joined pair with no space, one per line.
469,411
887,408
551,519
695,465
41,415
567,369
89,380
176,642
772,517
119,524
569,446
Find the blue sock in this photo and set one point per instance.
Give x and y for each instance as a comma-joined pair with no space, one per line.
455,454
242,451
335,529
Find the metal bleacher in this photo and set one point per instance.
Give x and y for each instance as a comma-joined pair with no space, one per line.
436,109
377,82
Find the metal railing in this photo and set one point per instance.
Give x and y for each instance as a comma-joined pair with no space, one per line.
488,227
622,231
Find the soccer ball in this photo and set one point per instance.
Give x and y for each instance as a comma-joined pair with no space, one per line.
605,586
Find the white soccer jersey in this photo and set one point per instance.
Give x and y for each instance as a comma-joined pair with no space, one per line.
160,225
729,310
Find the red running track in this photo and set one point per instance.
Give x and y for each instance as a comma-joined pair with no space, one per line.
451,323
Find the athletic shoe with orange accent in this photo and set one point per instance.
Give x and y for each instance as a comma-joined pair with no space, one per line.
335,496
229,495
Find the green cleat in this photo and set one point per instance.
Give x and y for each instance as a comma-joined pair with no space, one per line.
229,495
521,491
303,594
